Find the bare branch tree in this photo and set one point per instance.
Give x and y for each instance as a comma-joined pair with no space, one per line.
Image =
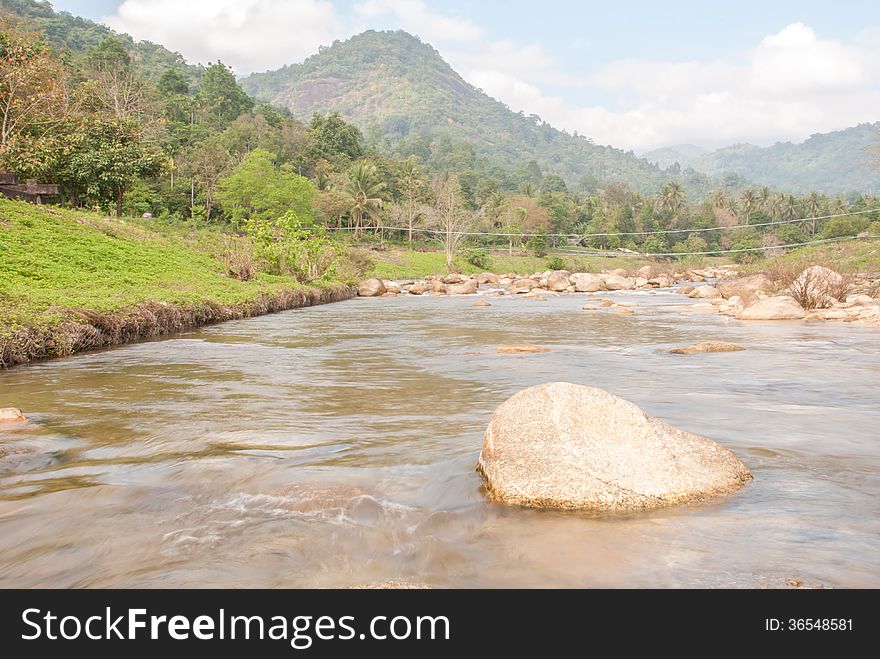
448,216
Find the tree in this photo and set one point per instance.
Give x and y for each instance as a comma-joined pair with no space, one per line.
119,90
412,189
814,207
364,193
207,164
748,202
33,97
103,156
221,96
330,138
258,189
672,199
449,216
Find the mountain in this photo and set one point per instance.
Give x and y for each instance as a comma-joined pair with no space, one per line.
683,154
69,33
393,85
841,162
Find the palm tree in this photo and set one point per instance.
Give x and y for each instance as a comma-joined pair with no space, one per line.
789,208
363,192
814,207
774,207
719,199
411,184
672,198
749,201
764,195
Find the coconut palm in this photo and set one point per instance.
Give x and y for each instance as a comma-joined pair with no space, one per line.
672,199
789,207
814,207
719,199
363,191
748,201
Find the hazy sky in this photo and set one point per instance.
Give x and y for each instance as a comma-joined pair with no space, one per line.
637,75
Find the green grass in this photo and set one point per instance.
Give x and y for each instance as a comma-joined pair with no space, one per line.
398,263
848,257
53,259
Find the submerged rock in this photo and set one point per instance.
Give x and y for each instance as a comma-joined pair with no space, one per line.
773,308
481,304
371,288
11,415
708,346
520,350
567,446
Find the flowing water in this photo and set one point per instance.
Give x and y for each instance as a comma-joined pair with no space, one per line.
336,446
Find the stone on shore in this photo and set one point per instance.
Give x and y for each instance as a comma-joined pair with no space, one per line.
820,285
520,350
418,289
586,283
558,281
773,308
11,415
371,288
745,288
708,347
521,286
705,293
618,283
391,287
470,287
488,278
454,278
567,446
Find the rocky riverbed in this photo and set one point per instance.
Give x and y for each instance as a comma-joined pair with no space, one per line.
818,294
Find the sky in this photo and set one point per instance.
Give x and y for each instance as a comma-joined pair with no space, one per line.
636,75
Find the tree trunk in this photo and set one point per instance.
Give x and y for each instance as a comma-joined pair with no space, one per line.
120,192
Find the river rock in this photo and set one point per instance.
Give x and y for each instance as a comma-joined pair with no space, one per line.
488,278
705,293
820,285
481,304
646,272
745,287
418,289
622,311
470,287
590,307
371,288
605,304
860,301
568,446
438,287
773,308
707,347
504,282
618,283
391,287
520,350
586,283
620,272
640,282
11,415
454,278
662,281
521,286
558,281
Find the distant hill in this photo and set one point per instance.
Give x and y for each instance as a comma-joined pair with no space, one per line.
834,163
392,85
683,154
67,32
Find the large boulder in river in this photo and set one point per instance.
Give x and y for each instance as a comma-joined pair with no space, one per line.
558,281
705,293
418,289
586,283
10,415
818,287
521,286
454,278
618,283
745,287
488,278
567,446
470,287
773,308
371,288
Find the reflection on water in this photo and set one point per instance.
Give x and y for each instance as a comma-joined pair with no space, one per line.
336,446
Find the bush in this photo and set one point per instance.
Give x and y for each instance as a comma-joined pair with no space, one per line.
791,234
538,246
874,229
239,258
556,263
296,246
479,258
749,241
355,265
841,227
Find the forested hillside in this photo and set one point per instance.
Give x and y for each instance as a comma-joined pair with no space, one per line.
842,162
404,96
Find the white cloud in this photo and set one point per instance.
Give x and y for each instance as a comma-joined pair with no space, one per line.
252,35
790,85
416,17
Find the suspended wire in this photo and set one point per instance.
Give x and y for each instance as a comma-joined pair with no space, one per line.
662,232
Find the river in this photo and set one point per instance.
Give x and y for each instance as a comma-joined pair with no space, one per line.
335,446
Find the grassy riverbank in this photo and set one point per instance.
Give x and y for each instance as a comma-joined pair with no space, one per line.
72,281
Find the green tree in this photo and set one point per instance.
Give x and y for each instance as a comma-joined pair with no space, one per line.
221,96
672,199
259,189
364,192
412,189
207,164
294,244
331,139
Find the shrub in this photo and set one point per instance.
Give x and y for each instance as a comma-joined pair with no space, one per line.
479,258
555,263
841,227
537,245
293,245
239,258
